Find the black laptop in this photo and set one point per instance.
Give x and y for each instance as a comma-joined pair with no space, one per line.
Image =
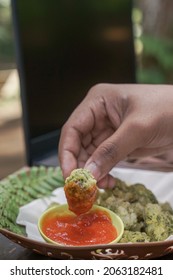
63,48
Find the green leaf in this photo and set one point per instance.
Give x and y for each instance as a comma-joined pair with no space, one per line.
19,189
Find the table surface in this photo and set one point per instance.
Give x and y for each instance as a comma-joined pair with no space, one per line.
12,251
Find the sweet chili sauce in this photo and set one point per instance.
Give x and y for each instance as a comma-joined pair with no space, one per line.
94,227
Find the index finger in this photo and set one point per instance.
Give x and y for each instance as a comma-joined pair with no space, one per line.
77,127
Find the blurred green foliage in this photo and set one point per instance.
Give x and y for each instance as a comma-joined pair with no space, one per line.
6,35
157,57
157,60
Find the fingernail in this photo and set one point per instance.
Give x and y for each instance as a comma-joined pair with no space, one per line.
93,168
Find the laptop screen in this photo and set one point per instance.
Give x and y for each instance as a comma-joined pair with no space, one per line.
64,47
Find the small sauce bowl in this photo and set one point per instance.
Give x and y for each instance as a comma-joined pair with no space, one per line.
108,226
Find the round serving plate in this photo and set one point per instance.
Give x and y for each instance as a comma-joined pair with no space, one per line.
139,250
149,250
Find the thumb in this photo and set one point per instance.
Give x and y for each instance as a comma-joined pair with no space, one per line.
125,140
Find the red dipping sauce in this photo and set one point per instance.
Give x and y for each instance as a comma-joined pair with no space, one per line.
94,227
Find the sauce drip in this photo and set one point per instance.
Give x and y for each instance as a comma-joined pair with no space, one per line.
94,227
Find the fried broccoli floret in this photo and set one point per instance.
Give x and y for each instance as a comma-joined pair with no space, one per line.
142,195
142,214
159,223
122,190
131,236
138,208
127,214
133,193
80,190
123,201
166,207
121,208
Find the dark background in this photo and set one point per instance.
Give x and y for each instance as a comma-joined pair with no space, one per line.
67,47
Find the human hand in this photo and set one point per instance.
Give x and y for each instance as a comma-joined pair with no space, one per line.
114,122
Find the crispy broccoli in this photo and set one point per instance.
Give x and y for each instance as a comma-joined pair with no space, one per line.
133,193
121,208
131,236
80,190
166,207
142,194
159,223
140,211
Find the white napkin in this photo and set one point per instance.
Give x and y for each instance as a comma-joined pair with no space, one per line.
29,214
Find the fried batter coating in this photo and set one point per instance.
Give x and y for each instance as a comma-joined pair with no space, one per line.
167,207
142,195
131,236
159,223
127,201
80,190
122,190
140,211
123,209
133,193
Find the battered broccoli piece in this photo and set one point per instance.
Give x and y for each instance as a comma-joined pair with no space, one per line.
127,214
122,209
122,190
166,207
119,200
159,223
80,190
121,185
138,208
131,236
108,201
81,177
140,211
133,193
142,195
